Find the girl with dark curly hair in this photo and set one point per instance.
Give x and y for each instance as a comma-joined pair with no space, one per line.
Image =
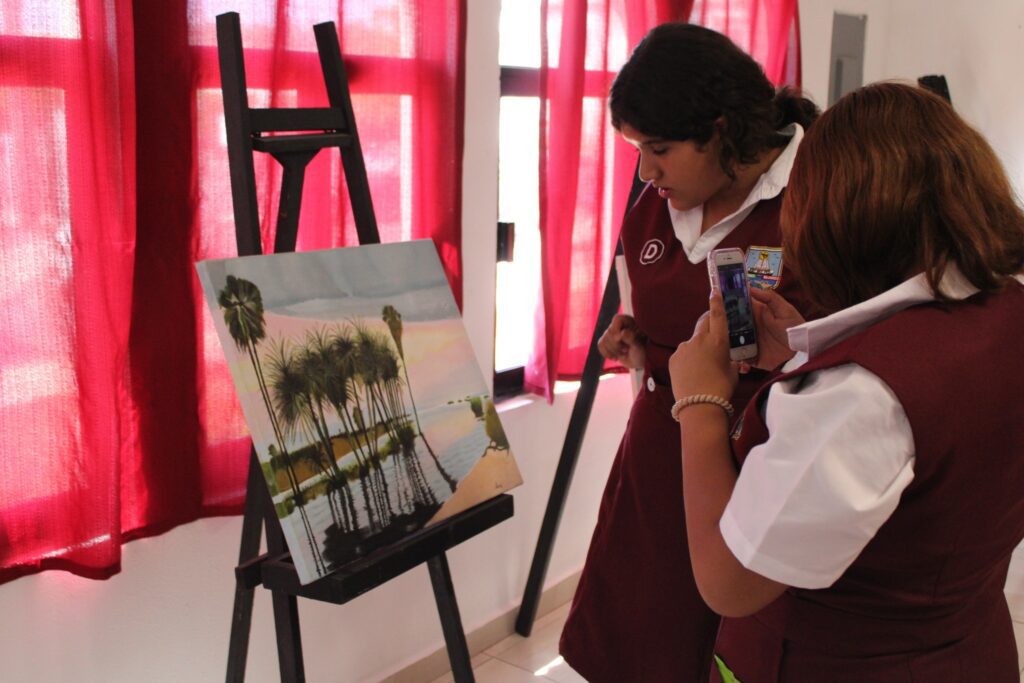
716,142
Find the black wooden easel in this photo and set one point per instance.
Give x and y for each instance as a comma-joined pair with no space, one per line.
274,570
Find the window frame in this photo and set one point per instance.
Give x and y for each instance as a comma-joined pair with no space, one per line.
514,81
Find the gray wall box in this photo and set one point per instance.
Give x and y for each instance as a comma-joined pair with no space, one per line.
846,67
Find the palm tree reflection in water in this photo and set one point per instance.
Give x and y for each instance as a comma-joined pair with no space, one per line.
394,322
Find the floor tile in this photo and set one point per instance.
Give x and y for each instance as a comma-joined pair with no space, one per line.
475,662
559,614
503,645
555,616
497,671
537,651
563,673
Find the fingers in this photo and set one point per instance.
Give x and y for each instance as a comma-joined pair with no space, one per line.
621,321
765,296
717,324
608,345
769,297
628,337
702,324
618,340
779,307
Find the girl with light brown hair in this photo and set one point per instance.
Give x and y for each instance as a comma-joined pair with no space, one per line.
859,522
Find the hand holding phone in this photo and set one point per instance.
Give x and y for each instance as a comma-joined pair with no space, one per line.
774,317
728,274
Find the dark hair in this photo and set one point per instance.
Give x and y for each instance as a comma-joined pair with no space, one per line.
889,182
681,79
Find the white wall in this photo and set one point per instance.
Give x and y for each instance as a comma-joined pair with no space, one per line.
978,46
166,616
816,40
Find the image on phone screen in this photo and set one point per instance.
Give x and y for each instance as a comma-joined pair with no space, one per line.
738,310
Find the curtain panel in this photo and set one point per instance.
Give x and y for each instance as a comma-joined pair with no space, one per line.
118,418
585,170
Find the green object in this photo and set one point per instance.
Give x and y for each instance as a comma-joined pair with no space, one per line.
723,671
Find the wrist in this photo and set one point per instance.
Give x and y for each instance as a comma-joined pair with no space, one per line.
703,401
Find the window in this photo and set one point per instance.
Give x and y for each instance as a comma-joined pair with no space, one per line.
518,286
119,418
584,169
518,281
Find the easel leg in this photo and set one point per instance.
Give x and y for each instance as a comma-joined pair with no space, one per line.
567,460
241,618
289,640
451,623
286,608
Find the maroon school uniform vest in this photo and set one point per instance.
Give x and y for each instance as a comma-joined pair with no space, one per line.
637,615
924,600
670,293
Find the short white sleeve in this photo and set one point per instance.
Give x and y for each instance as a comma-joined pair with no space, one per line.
809,499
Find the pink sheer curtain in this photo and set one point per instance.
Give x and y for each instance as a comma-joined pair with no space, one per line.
118,418
67,235
767,29
585,171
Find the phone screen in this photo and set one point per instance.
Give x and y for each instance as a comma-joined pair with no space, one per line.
738,310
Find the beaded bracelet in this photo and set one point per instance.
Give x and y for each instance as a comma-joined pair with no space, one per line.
701,398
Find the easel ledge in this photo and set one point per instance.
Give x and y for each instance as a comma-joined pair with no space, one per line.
276,572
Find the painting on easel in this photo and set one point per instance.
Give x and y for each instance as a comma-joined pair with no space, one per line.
369,414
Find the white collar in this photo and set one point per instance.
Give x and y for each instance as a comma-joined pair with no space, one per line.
686,224
817,335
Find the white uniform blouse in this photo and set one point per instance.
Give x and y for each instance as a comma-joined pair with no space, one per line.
686,224
839,454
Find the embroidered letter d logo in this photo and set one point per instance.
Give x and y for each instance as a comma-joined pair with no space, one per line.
652,251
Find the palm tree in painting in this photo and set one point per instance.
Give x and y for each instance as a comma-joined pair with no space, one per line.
392,388
369,350
341,389
316,365
242,304
367,371
293,406
386,374
345,354
393,318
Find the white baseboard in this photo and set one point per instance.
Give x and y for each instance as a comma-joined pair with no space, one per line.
436,663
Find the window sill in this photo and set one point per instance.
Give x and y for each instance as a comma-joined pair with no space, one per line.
518,401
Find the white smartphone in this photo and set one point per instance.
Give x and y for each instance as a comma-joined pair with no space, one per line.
728,272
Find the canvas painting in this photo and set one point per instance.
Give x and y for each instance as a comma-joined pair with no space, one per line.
369,415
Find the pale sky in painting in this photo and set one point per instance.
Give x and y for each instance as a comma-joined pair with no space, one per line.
355,280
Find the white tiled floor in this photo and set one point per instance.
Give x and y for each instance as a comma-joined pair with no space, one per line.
535,659
525,660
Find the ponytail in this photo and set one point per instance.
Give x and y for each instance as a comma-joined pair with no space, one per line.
792,107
